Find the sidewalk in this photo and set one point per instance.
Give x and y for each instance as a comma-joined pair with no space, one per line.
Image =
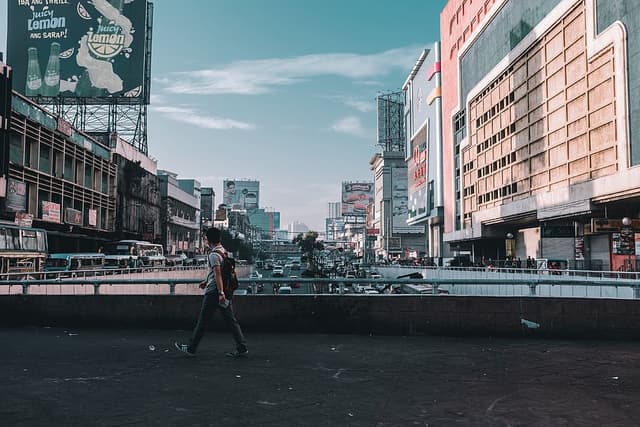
86,377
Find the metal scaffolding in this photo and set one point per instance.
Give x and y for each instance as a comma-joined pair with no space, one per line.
391,129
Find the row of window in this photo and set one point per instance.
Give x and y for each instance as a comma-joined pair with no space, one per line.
469,191
497,137
37,156
500,163
499,193
495,109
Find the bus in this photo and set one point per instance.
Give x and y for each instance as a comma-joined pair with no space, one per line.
133,254
68,264
23,250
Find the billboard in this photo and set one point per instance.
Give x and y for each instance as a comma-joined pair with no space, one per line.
50,211
356,197
417,175
78,48
241,194
400,199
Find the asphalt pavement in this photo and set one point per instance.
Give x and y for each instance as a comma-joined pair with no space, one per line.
108,377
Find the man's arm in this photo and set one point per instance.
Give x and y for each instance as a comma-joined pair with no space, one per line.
217,273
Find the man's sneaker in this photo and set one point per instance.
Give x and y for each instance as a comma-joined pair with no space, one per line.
238,353
184,348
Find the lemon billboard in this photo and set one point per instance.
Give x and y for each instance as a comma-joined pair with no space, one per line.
78,49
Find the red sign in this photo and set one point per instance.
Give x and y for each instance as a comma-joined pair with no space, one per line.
373,231
64,126
93,217
51,212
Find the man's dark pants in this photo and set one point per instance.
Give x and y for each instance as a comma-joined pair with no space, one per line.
209,306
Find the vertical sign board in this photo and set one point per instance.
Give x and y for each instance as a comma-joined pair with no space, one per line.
16,196
76,49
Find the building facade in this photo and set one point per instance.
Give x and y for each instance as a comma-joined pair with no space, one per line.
207,207
138,194
180,226
548,156
387,228
265,223
61,179
424,150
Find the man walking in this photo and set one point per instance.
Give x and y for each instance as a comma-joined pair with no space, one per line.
214,298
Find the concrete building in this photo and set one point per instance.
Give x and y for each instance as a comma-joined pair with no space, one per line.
388,229
57,177
424,150
138,194
545,152
193,187
265,223
207,207
180,226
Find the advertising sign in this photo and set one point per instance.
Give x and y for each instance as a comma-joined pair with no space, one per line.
400,199
356,197
241,194
16,196
417,175
51,212
72,216
24,219
93,217
75,48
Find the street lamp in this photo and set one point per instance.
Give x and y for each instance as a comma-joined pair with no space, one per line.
509,244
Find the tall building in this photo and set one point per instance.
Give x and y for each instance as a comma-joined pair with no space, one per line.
387,228
180,226
192,186
544,129
265,223
335,210
423,121
207,207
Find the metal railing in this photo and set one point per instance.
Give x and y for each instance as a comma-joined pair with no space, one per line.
536,285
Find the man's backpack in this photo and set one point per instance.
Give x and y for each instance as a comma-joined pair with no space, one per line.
228,272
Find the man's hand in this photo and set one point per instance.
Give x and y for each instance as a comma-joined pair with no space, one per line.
202,285
221,297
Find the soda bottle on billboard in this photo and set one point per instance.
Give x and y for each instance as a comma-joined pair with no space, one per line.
52,73
34,77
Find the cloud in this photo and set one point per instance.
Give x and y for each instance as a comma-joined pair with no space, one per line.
253,77
358,104
350,125
193,117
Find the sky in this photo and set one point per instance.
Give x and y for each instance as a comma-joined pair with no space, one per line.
280,91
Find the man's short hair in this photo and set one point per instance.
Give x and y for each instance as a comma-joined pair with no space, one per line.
213,235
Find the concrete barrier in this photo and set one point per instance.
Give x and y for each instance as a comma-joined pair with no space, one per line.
357,314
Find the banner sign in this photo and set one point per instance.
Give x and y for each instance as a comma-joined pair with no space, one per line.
72,216
16,196
51,212
241,194
356,197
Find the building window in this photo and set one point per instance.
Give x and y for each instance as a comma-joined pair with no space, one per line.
16,150
45,159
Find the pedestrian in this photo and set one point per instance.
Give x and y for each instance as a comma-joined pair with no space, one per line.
214,299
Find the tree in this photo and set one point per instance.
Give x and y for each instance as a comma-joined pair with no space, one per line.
310,247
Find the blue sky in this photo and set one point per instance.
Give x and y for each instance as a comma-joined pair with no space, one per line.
282,91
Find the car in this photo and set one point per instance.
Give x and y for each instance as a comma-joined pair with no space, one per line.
375,275
350,276
175,260
288,266
200,259
285,290
255,275
241,292
277,272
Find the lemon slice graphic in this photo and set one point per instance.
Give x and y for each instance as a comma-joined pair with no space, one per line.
83,12
67,53
134,92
